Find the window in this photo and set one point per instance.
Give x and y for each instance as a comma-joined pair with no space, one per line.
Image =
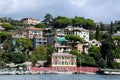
62,58
72,58
66,63
55,57
72,63
62,62
55,63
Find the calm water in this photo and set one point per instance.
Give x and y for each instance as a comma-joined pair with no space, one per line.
60,77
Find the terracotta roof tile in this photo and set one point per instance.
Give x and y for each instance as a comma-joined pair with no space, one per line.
32,28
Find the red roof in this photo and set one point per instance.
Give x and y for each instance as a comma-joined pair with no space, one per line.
32,28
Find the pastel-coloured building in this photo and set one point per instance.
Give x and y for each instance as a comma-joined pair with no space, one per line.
36,35
79,47
61,44
30,21
32,32
63,62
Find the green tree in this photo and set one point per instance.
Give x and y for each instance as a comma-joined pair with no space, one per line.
1,55
117,40
40,53
8,26
97,33
24,43
61,22
117,52
16,58
2,64
78,55
102,63
4,35
107,51
102,27
117,25
17,45
111,28
82,22
73,39
94,52
92,35
88,61
40,25
50,49
19,23
5,19
79,21
48,20
7,46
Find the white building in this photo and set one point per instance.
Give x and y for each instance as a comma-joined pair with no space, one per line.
1,28
94,43
82,33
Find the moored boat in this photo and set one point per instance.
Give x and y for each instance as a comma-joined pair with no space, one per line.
63,72
109,71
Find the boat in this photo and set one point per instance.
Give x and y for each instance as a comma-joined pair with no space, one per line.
109,71
63,72
82,72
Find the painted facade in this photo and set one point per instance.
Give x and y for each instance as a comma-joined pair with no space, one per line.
61,43
63,62
79,47
31,21
32,32
36,35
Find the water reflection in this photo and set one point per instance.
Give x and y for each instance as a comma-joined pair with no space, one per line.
60,77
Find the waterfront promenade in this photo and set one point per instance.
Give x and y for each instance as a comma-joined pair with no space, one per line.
47,70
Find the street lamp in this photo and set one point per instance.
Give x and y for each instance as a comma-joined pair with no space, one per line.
80,63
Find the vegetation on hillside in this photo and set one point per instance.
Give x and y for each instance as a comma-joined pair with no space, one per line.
16,50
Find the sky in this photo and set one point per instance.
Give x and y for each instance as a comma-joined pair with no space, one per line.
99,10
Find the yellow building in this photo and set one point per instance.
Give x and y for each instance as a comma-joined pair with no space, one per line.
63,62
79,47
30,21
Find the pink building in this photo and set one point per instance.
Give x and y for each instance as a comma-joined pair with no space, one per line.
32,32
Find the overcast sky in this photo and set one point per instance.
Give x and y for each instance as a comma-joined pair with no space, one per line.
98,10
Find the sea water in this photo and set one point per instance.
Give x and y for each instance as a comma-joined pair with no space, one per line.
60,77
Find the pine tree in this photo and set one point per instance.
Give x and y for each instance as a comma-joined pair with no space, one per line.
97,34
